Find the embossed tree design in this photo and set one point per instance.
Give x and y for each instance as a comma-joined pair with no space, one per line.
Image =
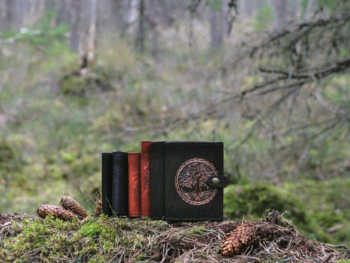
195,176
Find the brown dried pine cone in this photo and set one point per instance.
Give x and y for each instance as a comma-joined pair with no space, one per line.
70,204
237,240
56,211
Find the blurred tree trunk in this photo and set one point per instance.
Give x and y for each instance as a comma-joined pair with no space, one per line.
153,17
2,21
248,7
216,26
92,33
63,12
192,8
155,40
140,38
50,5
133,11
224,16
10,10
165,11
240,8
310,9
280,13
74,37
294,9
260,3
120,11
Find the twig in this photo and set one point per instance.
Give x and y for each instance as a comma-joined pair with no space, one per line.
327,259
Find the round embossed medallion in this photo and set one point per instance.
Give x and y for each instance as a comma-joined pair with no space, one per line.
190,181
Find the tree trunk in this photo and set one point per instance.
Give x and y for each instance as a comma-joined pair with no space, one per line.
260,3
120,12
280,13
50,5
133,7
294,9
63,12
74,25
216,27
240,7
310,8
2,21
92,33
225,16
248,7
141,30
10,10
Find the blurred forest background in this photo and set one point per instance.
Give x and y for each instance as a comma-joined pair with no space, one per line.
269,78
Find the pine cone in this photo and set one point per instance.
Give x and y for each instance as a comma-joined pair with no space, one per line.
56,211
70,204
234,242
98,208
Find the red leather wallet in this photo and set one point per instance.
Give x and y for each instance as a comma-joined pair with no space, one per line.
134,160
146,208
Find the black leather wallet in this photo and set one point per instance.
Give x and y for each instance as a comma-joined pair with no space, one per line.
192,174
107,162
120,183
158,179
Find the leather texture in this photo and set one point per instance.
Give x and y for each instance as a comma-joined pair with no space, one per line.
188,166
120,183
158,179
134,165
107,161
146,195
223,182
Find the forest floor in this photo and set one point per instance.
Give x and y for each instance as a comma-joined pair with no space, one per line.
28,238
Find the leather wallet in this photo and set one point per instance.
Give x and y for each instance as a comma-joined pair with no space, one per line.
146,209
107,161
193,180
158,179
134,163
120,183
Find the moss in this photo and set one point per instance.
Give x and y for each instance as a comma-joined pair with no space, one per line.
91,229
7,154
252,201
74,85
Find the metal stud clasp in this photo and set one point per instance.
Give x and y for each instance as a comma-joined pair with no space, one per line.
215,181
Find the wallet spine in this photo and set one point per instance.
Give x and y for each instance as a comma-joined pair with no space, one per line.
107,162
120,183
146,208
158,179
134,204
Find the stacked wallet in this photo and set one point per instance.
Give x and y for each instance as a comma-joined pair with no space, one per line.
166,181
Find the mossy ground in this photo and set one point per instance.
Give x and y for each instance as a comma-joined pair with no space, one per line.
31,239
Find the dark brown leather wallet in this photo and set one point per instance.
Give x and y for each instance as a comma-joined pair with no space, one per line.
191,175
